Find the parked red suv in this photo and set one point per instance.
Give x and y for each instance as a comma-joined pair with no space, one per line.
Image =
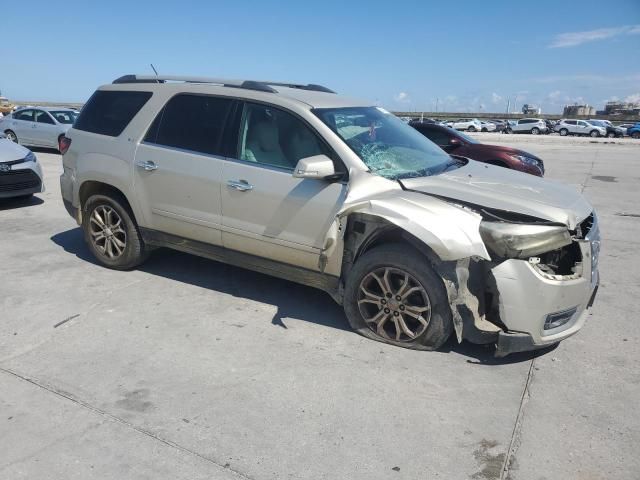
457,143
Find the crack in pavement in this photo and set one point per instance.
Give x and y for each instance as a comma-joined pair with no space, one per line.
88,406
514,443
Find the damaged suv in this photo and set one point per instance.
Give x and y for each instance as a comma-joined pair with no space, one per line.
300,183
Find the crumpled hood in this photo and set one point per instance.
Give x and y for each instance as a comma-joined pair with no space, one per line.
503,189
10,151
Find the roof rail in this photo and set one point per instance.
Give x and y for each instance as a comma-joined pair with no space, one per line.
263,86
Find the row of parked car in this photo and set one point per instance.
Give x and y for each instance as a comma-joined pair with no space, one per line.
537,126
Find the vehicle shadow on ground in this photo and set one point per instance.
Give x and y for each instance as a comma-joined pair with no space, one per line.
11,203
293,301
53,151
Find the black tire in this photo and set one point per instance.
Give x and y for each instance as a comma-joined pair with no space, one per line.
535,131
405,259
611,135
11,136
484,129
594,133
508,130
635,135
134,251
471,129
563,132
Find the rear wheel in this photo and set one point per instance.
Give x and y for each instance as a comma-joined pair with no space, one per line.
594,133
11,136
471,129
535,131
111,233
564,132
611,135
394,296
635,135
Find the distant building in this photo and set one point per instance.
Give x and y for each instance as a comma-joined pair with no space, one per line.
531,109
621,108
578,110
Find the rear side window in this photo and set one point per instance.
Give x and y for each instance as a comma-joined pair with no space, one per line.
109,112
191,122
438,137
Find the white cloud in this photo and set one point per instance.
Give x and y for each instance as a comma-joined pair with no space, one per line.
495,98
402,97
573,39
635,98
554,96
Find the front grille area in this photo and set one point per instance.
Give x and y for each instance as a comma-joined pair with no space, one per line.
15,180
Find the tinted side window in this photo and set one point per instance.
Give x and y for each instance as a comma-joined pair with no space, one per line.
43,117
438,137
570,122
109,112
26,115
191,122
273,137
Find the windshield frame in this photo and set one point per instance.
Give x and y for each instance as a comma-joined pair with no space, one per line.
431,152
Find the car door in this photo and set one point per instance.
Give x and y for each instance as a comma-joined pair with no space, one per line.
583,127
21,124
44,130
266,211
178,167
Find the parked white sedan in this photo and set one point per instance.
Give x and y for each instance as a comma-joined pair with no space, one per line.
20,172
468,124
38,126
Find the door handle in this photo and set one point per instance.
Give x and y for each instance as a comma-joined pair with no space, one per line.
241,185
148,165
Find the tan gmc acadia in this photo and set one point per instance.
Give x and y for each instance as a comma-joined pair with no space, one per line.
303,184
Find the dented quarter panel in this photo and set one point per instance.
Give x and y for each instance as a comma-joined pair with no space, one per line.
451,231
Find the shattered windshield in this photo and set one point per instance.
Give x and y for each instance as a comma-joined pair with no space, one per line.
388,146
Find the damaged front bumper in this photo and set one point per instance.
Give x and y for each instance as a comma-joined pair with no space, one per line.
538,309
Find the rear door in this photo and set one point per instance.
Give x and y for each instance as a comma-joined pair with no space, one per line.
22,125
44,130
178,168
266,211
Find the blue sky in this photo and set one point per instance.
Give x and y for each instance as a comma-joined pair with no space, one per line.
400,54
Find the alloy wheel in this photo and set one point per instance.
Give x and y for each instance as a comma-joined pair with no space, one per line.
107,234
393,304
12,136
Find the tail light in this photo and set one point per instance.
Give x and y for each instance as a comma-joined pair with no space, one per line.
63,144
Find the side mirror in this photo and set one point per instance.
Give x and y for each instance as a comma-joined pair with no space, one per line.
318,166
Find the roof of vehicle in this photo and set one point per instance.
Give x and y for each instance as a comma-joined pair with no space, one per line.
46,109
315,96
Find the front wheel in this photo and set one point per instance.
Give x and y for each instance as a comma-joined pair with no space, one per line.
564,132
635,135
594,133
11,136
611,135
111,233
394,296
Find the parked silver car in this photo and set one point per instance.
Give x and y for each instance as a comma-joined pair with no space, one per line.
579,127
534,126
38,126
297,182
20,171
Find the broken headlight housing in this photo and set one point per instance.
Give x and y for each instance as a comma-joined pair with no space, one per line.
513,240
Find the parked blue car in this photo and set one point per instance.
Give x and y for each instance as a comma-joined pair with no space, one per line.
634,131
